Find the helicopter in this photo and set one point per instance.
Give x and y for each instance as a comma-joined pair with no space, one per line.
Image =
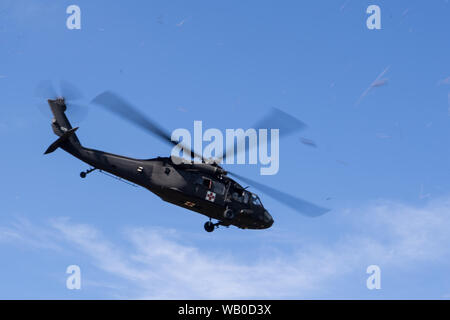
206,187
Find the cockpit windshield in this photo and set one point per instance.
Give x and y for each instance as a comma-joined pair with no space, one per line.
246,197
255,200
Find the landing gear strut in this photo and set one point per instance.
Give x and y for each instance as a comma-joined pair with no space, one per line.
83,174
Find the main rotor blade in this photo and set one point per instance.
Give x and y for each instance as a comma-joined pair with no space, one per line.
302,206
275,119
115,104
278,119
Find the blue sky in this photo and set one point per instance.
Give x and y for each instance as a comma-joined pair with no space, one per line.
381,162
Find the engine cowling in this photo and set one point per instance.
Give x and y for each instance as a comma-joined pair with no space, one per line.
208,169
211,169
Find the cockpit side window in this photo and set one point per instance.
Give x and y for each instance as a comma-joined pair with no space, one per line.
246,197
241,196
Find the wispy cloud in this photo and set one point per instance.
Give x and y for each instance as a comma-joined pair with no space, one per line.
158,263
23,232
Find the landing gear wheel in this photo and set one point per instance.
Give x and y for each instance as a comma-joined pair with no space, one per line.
209,226
228,214
83,174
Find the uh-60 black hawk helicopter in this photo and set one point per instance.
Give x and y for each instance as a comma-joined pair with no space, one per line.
204,187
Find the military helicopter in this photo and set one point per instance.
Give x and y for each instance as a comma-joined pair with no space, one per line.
203,187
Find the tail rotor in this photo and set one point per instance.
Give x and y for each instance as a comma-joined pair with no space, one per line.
65,91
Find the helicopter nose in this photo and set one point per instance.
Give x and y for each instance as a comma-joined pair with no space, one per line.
268,219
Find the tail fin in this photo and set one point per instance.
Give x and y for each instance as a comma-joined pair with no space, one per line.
55,145
61,126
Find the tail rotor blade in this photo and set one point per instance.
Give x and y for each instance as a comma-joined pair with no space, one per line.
45,90
44,109
69,91
302,206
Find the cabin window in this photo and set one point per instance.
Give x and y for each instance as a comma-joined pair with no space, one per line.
210,184
219,187
207,183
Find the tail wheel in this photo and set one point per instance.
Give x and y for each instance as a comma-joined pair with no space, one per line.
228,214
209,226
